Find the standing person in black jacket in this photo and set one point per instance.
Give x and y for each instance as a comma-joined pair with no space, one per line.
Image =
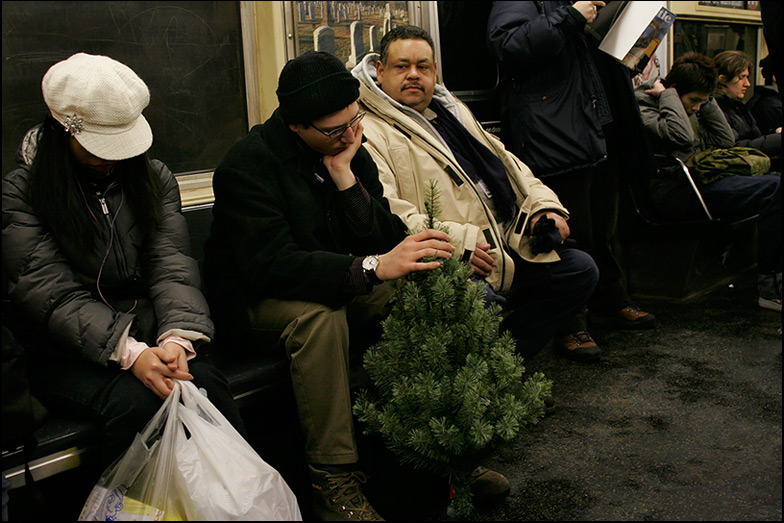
106,296
558,119
772,18
302,241
734,68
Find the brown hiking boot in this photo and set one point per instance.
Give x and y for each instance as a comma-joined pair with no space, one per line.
337,496
630,317
488,486
578,346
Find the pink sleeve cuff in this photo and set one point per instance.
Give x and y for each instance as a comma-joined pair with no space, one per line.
131,351
186,344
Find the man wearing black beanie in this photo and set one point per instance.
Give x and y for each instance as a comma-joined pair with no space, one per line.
299,221
316,83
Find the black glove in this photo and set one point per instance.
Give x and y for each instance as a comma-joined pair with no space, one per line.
545,237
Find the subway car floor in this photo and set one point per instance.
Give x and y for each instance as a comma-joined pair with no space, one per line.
678,423
682,422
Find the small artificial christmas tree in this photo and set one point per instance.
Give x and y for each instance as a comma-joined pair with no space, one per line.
448,387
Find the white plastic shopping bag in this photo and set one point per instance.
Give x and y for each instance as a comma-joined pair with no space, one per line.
190,464
225,479
141,484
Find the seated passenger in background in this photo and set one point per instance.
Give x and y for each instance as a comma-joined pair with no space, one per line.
418,131
302,239
682,119
734,68
106,296
765,105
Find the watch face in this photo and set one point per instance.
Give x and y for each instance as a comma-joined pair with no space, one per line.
370,263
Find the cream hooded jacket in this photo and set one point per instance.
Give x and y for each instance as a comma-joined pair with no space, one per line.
409,152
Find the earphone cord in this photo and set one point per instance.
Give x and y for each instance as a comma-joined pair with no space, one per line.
108,245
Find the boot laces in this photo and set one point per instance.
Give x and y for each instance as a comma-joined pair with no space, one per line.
582,337
346,492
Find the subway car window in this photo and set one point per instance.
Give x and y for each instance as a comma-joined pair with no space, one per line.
467,68
713,37
346,29
466,63
189,53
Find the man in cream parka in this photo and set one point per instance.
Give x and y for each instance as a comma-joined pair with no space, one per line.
418,131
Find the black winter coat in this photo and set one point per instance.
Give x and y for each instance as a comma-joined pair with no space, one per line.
278,229
53,285
554,105
765,107
747,134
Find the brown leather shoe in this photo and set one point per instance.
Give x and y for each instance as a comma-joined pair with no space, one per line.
488,486
630,317
578,346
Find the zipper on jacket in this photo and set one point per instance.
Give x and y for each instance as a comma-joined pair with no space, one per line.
119,256
102,201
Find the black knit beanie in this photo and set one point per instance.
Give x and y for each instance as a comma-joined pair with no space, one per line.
314,85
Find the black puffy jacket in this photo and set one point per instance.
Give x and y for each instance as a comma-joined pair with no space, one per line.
53,285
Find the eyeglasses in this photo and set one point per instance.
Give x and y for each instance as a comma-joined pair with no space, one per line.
337,132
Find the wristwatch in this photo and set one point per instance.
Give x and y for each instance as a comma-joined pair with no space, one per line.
369,265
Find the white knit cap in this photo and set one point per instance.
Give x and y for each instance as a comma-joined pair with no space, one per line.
99,101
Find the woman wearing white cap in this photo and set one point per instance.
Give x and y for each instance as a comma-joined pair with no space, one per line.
95,250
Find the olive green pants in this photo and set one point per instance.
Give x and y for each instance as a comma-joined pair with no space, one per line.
316,340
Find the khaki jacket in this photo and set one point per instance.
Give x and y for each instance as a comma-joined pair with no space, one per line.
408,155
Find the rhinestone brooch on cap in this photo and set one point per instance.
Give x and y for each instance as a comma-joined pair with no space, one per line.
73,124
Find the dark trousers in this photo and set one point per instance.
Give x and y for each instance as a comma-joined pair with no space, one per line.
546,296
736,197
731,198
591,197
116,399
